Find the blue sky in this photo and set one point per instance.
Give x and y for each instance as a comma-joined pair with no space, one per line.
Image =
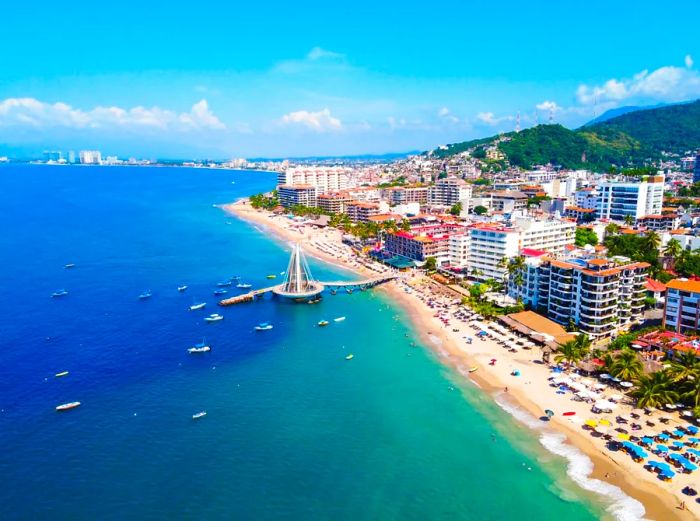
280,79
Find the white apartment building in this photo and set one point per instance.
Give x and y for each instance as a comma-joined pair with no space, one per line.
450,191
325,179
459,250
304,195
560,187
90,157
635,198
489,244
586,199
682,307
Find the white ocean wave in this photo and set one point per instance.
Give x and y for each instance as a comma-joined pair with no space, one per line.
579,467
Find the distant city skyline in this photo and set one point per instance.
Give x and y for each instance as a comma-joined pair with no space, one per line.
292,81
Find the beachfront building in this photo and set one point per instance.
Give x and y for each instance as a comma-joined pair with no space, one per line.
682,308
423,242
360,212
528,290
450,191
459,246
398,195
600,296
324,179
297,195
637,199
90,157
552,235
333,202
508,201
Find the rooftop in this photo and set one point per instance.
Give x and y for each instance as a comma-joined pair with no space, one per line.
693,286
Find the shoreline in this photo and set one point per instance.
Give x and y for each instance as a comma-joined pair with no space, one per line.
623,487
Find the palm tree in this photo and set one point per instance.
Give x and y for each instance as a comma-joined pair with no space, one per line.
685,367
673,248
652,240
691,393
570,352
629,220
626,365
583,344
612,229
654,390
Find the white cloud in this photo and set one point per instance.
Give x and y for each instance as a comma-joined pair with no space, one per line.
40,114
317,53
321,121
489,118
548,106
445,114
667,83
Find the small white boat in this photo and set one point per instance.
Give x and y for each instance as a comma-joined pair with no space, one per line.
224,283
195,307
220,292
244,286
198,415
199,348
263,326
182,288
323,323
62,373
67,406
69,266
59,293
214,317
350,357
145,295
339,319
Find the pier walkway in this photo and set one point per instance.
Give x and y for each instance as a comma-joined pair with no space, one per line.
349,284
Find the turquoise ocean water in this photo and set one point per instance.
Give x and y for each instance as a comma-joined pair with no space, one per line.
293,430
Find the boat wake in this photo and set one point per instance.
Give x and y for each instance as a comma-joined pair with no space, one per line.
579,467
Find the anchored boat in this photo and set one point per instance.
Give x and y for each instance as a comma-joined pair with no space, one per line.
67,406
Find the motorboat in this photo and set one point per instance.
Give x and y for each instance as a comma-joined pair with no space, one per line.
69,266
219,292
62,373
59,293
214,317
181,288
323,323
202,347
244,286
350,357
199,305
145,295
263,326
198,415
224,283
339,319
272,276
67,406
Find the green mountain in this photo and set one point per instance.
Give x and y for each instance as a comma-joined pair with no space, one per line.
634,138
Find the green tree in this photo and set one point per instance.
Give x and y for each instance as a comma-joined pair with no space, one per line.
612,229
652,240
585,236
405,225
654,390
456,209
626,365
690,393
686,366
629,220
569,353
430,264
480,210
673,248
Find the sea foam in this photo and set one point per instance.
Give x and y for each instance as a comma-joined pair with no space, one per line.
579,467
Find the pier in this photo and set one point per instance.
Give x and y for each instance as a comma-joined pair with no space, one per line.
300,285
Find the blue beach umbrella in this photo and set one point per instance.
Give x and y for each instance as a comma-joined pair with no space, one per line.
694,451
642,454
689,466
662,448
694,440
678,433
647,440
692,429
667,474
678,444
663,436
664,467
653,464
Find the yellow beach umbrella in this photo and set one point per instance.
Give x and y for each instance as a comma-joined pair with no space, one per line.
591,423
605,422
623,436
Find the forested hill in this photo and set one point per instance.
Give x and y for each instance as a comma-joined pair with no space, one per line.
634,138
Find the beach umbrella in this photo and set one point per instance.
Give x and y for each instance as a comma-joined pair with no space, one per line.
549,413
605,422
694,451
662,448
605,376
676,457
626,384
689,466
647,440
616,380
667,474
678,433
663,436
622,436
694,440
642,454
670,406
692,429
653,464
591,423
616,397
664,466
678,444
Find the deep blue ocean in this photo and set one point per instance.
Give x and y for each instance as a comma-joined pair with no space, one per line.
293,430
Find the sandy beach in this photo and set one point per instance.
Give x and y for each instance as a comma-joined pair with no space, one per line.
526,396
